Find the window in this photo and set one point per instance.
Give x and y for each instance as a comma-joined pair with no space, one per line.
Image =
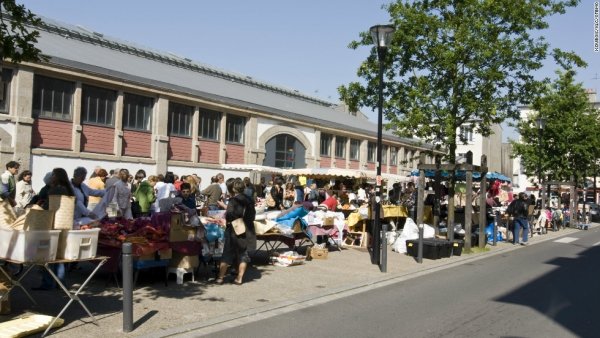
209,125
355,150
137,112
180,119
409,159
234,130
384,150
5,90
393,156
285,155
326,145
52,98
98,105
340,147
372,152
466,133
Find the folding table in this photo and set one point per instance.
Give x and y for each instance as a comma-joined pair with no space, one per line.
73,295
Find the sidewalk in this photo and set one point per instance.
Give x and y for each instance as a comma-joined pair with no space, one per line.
202,307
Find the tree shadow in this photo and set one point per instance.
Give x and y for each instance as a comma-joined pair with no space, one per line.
569,295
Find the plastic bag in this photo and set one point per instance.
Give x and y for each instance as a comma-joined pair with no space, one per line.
213,232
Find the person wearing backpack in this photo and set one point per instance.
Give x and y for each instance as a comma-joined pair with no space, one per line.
518,210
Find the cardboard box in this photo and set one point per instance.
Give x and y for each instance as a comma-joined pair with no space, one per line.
157,255
183,261
183,234
180,232
328,221
317,253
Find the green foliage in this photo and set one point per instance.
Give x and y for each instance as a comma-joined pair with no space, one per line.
17,33
569,142
454,62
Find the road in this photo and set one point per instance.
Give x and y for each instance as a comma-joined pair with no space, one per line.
549,289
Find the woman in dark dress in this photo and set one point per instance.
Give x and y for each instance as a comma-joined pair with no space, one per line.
59,185
236,247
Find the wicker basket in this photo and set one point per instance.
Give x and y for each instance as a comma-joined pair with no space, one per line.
64,207
38,219
7,213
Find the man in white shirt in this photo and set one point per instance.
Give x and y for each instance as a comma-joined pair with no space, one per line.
361,195
8,187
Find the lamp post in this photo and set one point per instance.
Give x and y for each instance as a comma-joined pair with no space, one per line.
541,122
381,35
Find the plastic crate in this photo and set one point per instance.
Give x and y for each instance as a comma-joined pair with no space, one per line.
432,248
457,247
29,246
78,244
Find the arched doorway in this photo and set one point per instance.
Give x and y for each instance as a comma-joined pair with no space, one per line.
285,151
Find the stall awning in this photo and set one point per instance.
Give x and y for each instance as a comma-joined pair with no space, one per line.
341,172
252,167
461,175
325,172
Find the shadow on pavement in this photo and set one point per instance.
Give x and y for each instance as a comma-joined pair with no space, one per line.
569,295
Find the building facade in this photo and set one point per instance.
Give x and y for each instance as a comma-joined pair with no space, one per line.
98,101
490,146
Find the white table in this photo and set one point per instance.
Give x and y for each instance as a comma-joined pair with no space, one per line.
73,295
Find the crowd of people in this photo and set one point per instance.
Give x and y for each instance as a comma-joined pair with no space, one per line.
139,195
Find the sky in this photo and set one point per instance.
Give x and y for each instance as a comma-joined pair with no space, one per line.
297,44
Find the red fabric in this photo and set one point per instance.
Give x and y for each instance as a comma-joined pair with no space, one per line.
330,203
187,248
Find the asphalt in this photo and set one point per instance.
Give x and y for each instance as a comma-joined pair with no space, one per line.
200,307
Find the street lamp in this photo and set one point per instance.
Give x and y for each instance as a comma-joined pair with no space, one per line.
381,34
541,122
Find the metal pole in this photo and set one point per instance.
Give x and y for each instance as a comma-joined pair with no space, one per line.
495,234
420,246
127,288
420,207
377,240
541,185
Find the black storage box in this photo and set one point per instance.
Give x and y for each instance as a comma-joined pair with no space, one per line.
432,248
457,247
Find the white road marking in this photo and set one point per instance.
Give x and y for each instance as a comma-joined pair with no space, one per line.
566,240
596,244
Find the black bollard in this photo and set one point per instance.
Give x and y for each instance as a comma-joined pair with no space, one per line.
420,249
384,248
127,288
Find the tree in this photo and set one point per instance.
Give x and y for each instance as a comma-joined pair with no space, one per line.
455,62
569,142
17,33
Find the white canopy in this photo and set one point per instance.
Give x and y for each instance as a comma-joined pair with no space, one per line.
340,172
252,167
325,172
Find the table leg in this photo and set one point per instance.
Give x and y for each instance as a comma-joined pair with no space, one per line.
72,295
17,283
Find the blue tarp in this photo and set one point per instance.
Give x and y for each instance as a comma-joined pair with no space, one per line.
461,175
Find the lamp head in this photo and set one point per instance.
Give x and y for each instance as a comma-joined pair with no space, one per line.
382,35
541,122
